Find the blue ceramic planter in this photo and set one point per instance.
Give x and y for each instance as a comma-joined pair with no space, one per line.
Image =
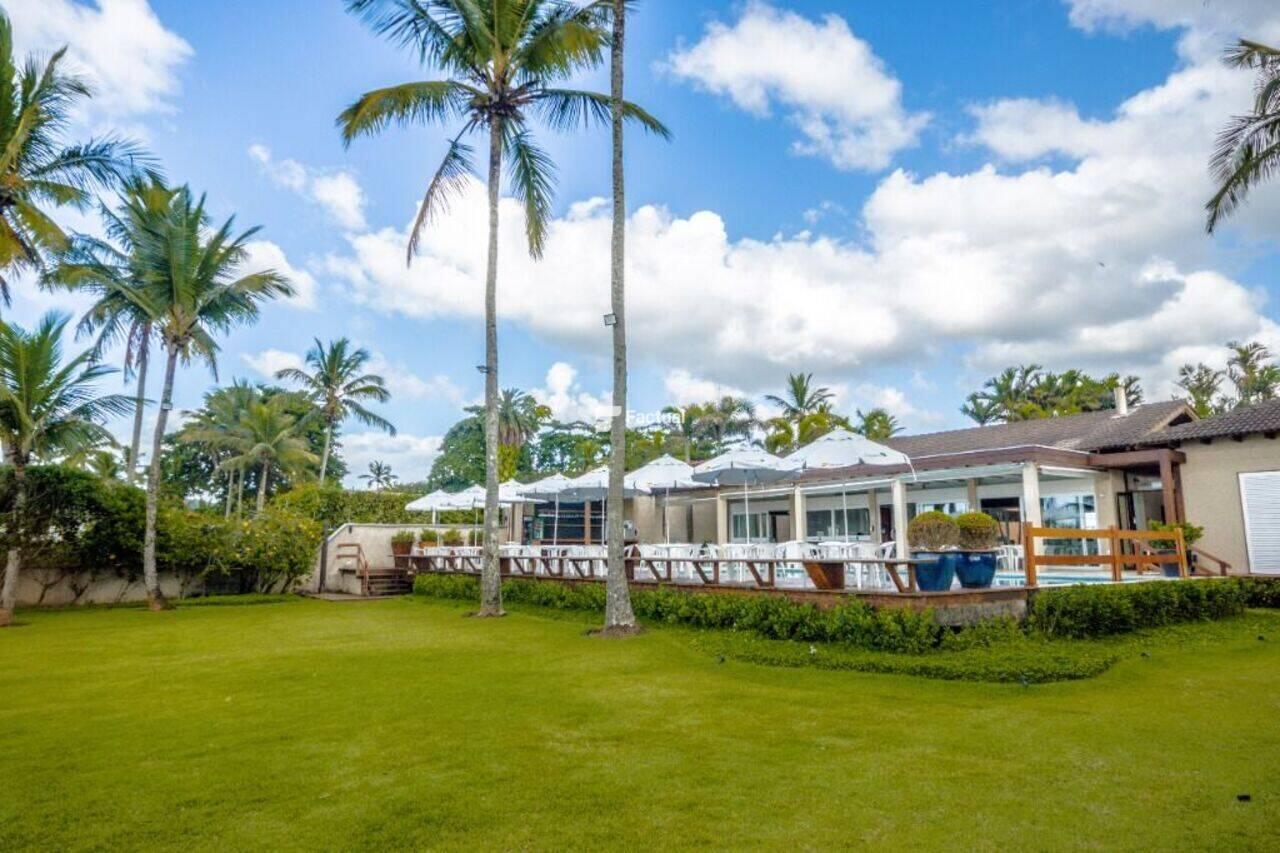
935,570
976,569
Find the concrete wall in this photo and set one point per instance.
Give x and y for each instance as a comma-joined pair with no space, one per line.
108,589
1211,487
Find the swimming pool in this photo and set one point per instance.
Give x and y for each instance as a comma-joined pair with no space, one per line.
1061,578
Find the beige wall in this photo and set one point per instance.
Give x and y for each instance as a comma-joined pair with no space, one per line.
1211,488
108,589
374,540
704,521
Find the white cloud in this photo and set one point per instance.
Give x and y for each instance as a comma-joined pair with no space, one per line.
121,46
563,394
846,105
403,382
265,255
410,456
337,191
683,388
269,362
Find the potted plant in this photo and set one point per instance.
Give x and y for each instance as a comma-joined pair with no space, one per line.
401,543
933,536
979,534
428,537
1190,534
452,538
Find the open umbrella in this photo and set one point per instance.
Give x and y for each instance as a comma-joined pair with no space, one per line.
662,474
745,466
841,448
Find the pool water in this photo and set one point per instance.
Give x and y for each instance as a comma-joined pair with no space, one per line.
1059,579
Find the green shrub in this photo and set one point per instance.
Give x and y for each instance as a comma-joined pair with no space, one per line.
933,531
1260,591
1097,610
331,505
1190,534
451,538
978,531
402,537
264,554
428,537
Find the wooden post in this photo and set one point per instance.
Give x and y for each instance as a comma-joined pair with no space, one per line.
1029,552
1167,490
1182,552
1117,566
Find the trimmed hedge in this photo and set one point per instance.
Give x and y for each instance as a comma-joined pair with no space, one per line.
770,616
1099,610
1075,612
332,505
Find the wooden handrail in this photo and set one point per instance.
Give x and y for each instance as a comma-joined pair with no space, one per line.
1116,558
345,551
1224,568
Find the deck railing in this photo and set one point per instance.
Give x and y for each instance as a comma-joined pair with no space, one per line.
1117,556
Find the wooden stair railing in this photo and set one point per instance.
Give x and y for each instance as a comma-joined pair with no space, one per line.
1224,568
354,552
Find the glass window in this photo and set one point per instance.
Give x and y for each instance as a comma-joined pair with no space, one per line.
835,524
759,527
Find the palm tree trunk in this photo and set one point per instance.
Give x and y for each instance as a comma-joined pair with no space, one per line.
618,615
150,577
324,458
231,483
262,486
490,579
13,561
240,494
139,406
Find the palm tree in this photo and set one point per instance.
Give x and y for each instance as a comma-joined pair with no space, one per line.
192,287
686,420
36,168
980,408
1202,383
501,56
110,272
1253,373
338,387
1248,149
727,419
216,428
269,436
877,424
379,476
801,397
46,408
520,416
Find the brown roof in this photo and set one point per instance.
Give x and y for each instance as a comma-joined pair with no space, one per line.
1260,417
1086,432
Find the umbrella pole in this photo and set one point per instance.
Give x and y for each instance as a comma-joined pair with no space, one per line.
746,498
666,528
555,523
844,509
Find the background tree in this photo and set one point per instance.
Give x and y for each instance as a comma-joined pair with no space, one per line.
801,397
194,288
500,57
1248,149
1203,387
46,408
1252,371
726,420
686,427
877,424
379,476
1028,391
37,170
268,435
339,387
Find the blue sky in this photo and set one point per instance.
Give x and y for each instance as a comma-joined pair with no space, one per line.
899,203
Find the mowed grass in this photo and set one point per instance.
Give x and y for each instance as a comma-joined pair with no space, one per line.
397,724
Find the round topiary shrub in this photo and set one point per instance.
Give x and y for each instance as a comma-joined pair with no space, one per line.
933,531
978,531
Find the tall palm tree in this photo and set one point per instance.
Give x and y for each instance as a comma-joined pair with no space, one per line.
877,424
802,398
1202,384
500,58
379,476
192,285
269,436
109,269
46,408
338,387
1248,149
37,171
520,416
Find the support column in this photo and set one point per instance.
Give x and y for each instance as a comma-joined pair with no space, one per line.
722,519
1031,514
799,516
1168,490
873,516
971,486
902,548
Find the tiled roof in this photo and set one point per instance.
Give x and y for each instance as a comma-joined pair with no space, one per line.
1258,418
1089,431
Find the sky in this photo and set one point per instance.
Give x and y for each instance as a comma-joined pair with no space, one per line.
900,203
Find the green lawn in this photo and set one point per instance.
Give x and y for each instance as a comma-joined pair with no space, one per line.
313,725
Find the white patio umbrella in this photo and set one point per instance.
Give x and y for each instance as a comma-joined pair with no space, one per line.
549,489
662,474
745,466
594,486
431,503
841,448
472,497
